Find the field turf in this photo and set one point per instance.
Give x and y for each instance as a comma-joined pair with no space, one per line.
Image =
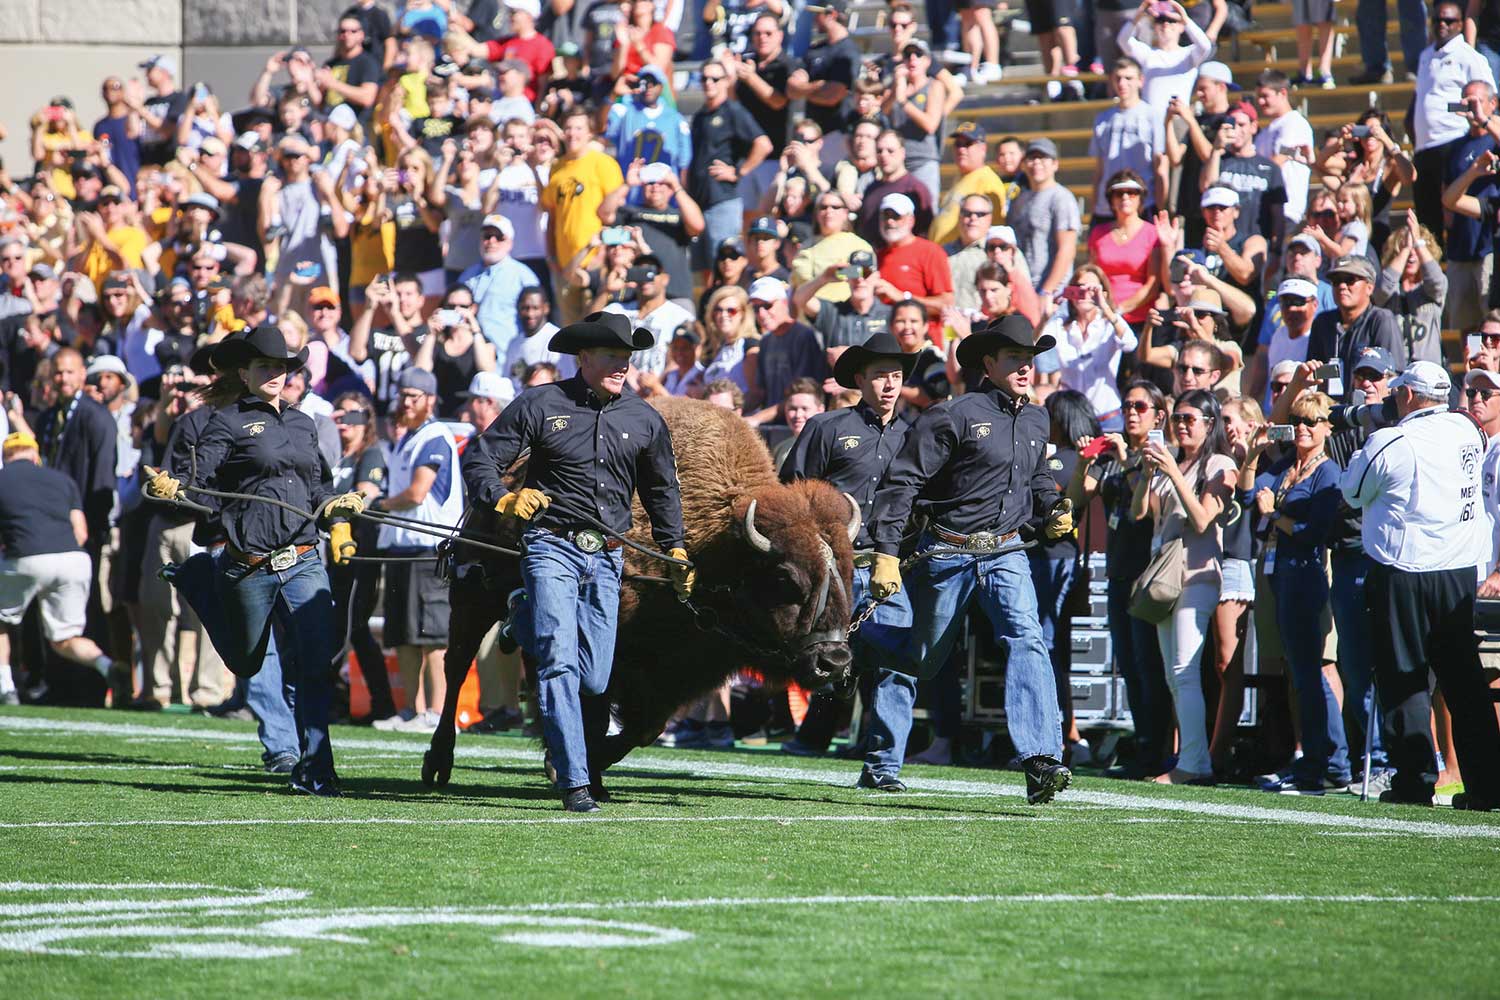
151,857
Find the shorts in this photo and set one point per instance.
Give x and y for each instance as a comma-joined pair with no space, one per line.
416,602
60,579
1049,15
1237,581
976,4
1312,11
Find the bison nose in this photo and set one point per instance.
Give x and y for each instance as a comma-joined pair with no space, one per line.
835,657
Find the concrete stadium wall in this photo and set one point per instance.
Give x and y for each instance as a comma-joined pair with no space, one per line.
53,47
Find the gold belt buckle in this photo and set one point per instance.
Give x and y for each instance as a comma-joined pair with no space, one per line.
983,541
284,558
588,540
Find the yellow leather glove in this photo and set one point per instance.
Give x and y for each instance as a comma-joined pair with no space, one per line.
885,577
341,541
344,505
683,577
162,486
1060,522
525,504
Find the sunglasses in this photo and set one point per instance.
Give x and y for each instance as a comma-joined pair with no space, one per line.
971,214
205,267
1185,419
1326,213
716,78
1447,20
727,310
1306,421
1343,279
1295,301
1474,392
1489,339
1163,19
1137,406
891,214
1185,369
762,306
901,25
320,306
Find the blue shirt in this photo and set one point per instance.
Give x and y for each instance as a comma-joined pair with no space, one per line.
657,135
124,152
496,290
1470,239
1312,505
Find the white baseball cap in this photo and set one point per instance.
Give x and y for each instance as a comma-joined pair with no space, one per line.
1299,287
1215,71
531,7
1287,368
106,363
1490,379
898,203
501,223
1425,378
1219,196
1000,234
343,116
767,289
492,385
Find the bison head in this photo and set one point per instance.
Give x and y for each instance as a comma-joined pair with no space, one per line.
795,588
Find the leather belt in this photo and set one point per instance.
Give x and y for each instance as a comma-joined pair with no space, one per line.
282,558
975,541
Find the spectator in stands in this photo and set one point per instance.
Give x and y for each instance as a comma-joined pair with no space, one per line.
113,242
1447,66
291,218
917,106
969,252
684,373
1053,24
1184,495
1308,18
724,394
1234,162
1124,139
1091,339
1357,323
1125,248
532,346
1200,134
497,282
911,266
827,76
380,354
1284,335
762,88
890,154
857,318
766,238
641,41
1412,285
1230,253
576,187
643,126
975,178
1285,138
788,351
1370,18
728,146
730,267
1469,240
1481,394
834,242
1009,154
1168,68
667,218
1192,339
730,341
454,350
1046,220
659,315
352,74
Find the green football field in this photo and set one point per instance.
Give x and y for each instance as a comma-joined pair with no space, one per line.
151,857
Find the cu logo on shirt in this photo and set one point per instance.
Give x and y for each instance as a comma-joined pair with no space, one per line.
981,430
559,423
256,427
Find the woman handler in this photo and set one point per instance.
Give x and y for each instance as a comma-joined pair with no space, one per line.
271,564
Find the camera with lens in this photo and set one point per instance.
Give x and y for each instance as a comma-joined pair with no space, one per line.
1369,417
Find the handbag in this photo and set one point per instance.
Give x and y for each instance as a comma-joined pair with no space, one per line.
1156,591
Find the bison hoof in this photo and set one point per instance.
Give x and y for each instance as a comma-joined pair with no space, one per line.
435,771
548,768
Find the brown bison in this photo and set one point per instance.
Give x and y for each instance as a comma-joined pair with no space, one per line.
775,569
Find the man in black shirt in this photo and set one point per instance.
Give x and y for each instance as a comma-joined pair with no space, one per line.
831,68
352,76
380,41
852,448
42,533
1344,333
977,468
668,219
594,444
78,438
855,320
160,111
1234,163
728,144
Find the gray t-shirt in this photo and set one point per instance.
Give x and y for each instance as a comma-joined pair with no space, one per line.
1037,217
1123,137
841,326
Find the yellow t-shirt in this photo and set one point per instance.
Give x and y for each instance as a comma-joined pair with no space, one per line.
574,192
372,249
415,87
61,176
834,249
982,181
98,263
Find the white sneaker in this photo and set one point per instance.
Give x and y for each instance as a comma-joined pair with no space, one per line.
990,73
422,722
394,722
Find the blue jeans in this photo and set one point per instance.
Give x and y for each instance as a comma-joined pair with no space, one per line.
1490,56
568,627
264,694
1351,614
1370,19
297,599
895,692
1051,579
942,21
942,588
1138,658
720,222
1301,592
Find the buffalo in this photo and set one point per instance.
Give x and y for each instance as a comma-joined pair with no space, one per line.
775,569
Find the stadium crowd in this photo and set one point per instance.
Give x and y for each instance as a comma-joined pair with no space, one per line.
1236,311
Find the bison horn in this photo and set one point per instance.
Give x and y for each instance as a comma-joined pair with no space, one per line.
854,519
760,542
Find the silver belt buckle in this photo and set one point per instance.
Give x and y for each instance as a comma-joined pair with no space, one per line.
983,541
284,558
589,540
864,560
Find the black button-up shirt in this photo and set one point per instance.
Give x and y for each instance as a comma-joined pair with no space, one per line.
177,459
78,438
587,454
976,463
850,449
1375,327
251,447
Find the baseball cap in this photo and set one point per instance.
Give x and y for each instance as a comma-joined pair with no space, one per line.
212,146
919,45
106,364
1490,380
1306,242
160,61
1425,378
343,116
1126,184
201,200
42,271
111,192
1219,196
767,289
1377,359
1298,288
419,379
569,50
969,132
1287,368
1215,71
655,173
18,440
1355,265
837,6
731,247
531,7
686,332
898,203
651,71
501,223
491,385
323,296
1042,147
251,142
1000,234
116,279
765,226
293,145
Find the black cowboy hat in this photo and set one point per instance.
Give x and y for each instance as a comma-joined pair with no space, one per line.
262,342
601,329
1014,330
880,347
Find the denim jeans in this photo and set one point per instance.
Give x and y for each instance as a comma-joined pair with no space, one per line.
895,692
265,694
1351,615
1051,579
1490,56
720,222
942,588
1138,658
568,627
1301,593
1370,19
298,599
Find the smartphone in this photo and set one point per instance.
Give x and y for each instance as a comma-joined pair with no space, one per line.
402,176
1360,132
639,275
615,236
852,273
1094,448
1331,370
1281,434
1156,437
447,319
1459,107
1179,269
200,91
1075,293
1169,319
1473,344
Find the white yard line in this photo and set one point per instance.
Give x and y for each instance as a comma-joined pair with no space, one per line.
697,766
85,824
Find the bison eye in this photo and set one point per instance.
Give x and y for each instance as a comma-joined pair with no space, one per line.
784,587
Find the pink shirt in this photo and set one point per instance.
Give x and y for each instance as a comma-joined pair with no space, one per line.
1128,266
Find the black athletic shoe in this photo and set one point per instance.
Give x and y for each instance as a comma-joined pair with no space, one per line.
499,721
325,789
1392,797
282,763
578,800
1472,803
1045,777
880,782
